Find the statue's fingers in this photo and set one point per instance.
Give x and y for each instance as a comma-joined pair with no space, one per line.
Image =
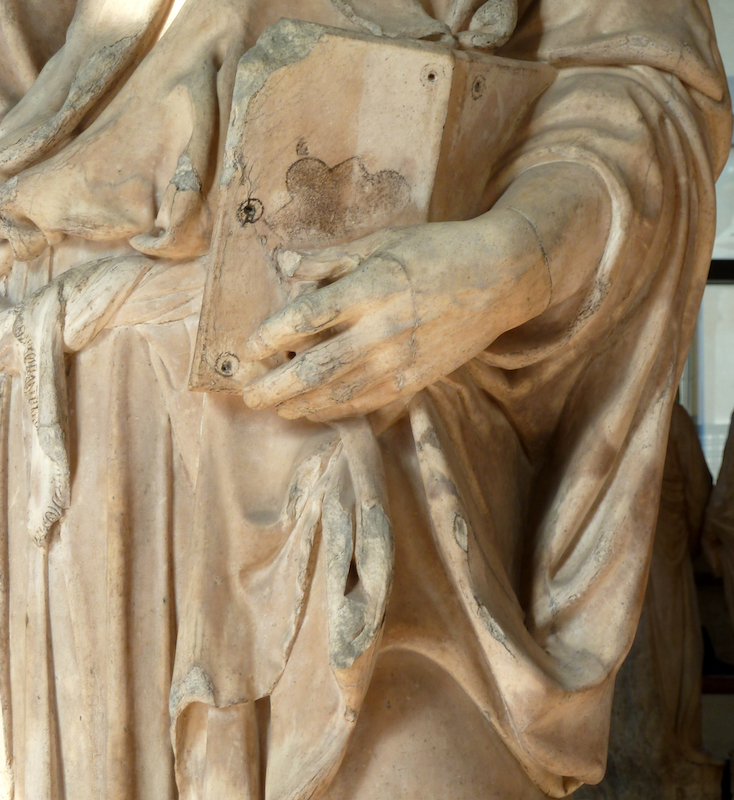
372,383
334,262
345,397
327,265
308,371
376,290
311,313
492,24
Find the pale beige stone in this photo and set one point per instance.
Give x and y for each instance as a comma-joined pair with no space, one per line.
345,166
443,504
656,736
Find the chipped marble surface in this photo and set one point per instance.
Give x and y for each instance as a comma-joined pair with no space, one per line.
413,559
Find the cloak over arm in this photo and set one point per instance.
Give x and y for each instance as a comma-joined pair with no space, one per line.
554,571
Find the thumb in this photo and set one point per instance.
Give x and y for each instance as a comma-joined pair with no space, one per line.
332,262
325,265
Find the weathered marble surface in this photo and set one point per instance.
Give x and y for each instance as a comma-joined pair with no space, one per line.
655,742
441,507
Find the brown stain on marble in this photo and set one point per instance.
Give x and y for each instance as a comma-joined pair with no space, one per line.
329,201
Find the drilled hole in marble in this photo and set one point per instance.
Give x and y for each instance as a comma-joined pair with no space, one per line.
249,211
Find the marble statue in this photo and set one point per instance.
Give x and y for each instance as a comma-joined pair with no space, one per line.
410,563
656,737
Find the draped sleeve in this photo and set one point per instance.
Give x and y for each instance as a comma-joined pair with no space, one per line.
562,423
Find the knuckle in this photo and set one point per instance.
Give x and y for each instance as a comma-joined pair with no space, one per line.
302,314
307,372
310,313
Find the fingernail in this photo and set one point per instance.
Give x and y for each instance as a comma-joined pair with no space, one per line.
252,349
288,411
253,399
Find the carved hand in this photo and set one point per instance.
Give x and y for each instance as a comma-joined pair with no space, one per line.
405,307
